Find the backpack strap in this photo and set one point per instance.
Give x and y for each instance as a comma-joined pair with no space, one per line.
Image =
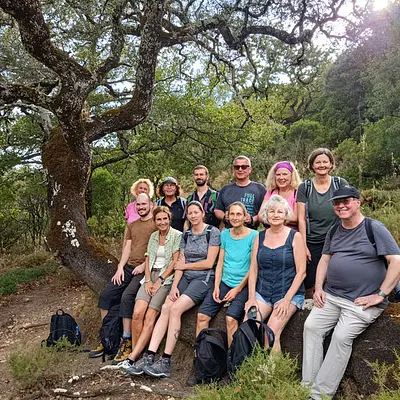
269,333
183,204
333,230
308,186
336,182
186,235
370,233
208,233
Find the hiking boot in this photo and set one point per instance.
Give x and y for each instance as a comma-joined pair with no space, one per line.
160,369
125,348
97,352
137,367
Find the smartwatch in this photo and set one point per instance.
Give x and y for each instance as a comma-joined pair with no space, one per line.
382,293
161,279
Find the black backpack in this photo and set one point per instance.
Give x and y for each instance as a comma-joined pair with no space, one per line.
244,341
63,325
210,355
111,332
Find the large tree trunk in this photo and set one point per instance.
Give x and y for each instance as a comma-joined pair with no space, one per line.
68,167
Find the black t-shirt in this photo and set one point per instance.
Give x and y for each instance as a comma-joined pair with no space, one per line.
177,209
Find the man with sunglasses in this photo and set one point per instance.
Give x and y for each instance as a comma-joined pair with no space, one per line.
250,193
351,288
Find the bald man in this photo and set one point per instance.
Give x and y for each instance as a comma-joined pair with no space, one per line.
126,281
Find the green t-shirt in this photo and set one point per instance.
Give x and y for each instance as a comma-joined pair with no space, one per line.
320,210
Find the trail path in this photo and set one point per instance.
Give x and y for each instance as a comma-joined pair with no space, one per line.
25,317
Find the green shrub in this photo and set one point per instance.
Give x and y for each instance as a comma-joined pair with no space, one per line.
32,366
262,377
387,376
10,281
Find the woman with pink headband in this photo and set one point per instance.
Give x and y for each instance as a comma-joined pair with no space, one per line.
283,179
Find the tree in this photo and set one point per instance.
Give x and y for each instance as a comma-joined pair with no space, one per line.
61,55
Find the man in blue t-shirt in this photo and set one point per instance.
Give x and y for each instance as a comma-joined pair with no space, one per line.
354,294
250,193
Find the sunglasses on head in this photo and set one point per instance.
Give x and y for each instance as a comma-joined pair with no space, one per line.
237,167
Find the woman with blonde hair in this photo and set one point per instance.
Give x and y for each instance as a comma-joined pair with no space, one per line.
283,180
275,285
140,186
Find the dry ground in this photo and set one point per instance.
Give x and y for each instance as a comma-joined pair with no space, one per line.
24,322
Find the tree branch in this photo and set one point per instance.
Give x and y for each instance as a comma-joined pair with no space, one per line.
13,93
137,109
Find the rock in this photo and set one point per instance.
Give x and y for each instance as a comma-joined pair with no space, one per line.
378,342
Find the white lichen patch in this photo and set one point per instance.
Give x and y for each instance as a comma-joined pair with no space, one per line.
69,228
75,243
56,189
58,223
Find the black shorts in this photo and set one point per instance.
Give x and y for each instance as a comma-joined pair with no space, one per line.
123,294
235,309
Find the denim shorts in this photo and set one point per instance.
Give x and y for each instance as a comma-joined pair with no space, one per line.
297,300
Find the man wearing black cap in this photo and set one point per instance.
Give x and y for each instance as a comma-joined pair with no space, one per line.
351,288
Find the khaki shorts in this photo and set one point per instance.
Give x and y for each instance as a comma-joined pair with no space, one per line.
155,302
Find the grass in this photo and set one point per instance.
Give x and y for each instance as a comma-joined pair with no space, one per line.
10,281
261,377
35,366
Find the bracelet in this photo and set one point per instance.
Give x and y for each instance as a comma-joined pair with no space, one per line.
147,281
161,279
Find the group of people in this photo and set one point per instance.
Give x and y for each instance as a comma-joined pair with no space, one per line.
210,250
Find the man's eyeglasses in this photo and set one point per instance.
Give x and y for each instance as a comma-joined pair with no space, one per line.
345,201
169,184
244,167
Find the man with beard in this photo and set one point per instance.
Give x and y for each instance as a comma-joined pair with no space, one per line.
206,196
250,193
125,283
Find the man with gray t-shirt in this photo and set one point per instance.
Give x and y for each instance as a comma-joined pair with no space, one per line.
354,294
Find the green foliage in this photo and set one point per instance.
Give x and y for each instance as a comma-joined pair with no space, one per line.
23,207
10,281
383,205
32,366
385,375
262,377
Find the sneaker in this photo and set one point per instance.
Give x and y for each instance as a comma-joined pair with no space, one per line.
125,348
97,352
160,369
137,367
124,364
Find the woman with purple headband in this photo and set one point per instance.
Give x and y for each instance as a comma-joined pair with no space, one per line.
283,179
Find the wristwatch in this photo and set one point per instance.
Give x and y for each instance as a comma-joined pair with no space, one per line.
382,293
161,279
